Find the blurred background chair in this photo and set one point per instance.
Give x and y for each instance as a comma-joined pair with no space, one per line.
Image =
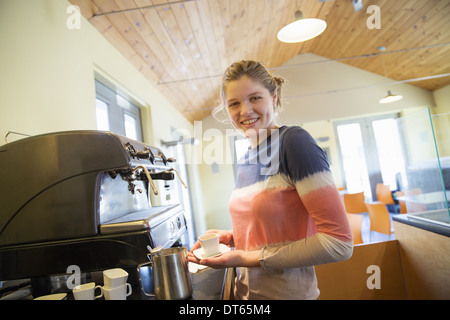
354,202
384,195
401,203
355,221
380,220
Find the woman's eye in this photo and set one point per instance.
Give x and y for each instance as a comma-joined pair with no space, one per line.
233,104
253,99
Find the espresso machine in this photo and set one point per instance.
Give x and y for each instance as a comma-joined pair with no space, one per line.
82,198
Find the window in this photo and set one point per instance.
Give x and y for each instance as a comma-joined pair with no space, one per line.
116,113
370,152
102,115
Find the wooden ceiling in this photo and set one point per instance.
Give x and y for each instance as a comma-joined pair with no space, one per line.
183,47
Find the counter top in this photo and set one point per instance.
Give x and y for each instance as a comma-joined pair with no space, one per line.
412,220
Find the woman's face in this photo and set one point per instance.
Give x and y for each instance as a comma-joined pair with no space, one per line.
250,106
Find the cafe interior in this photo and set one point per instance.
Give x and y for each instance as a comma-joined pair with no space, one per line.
368,79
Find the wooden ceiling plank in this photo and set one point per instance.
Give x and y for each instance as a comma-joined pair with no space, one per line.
408,27
173,65
235,38
218,27
365,40
141,45
324,12
142,38
208,32
429,24
205,51
189,40
328,44
282,52
372,39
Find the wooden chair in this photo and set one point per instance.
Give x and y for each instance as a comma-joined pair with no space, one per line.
354,202
384,194
380,220
402,203
355,221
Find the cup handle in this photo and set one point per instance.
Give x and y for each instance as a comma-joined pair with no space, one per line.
101,292
129,289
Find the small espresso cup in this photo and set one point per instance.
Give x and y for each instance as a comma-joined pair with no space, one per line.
117,293
113,278
210,244
86,291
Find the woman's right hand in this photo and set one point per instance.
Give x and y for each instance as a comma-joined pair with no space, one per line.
225,237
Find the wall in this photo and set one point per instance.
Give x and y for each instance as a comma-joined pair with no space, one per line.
47,81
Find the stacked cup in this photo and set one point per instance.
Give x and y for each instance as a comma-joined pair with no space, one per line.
86,291
115,286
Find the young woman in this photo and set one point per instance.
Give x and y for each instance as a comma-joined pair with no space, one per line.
286,212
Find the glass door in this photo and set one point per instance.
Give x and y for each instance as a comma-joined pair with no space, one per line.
353,158
370,152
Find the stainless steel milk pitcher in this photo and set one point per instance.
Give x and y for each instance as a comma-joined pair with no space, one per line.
171,278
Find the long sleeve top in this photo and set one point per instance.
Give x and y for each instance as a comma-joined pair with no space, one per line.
286,205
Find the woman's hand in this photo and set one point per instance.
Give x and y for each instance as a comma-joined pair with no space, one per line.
225,237
233,258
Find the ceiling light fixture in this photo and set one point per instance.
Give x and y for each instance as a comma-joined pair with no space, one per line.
391,98
301,29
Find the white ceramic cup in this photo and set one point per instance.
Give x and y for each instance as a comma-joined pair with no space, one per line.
210,244
117,293
86,291
113,278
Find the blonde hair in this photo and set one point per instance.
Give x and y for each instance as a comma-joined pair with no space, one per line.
254,70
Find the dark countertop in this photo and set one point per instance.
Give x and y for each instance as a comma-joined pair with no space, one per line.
422,224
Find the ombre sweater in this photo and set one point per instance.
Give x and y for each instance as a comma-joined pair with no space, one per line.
286,205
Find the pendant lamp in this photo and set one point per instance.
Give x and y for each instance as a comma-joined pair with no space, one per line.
391,98
301,29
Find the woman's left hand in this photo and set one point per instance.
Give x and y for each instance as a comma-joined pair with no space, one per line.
234,258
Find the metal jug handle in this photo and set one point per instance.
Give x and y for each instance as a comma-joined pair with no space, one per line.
140,280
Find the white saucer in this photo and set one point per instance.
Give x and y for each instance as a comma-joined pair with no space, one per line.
195,267
199,253
56,296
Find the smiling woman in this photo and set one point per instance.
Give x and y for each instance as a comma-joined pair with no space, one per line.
286,212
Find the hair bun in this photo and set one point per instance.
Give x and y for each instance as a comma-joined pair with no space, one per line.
279,81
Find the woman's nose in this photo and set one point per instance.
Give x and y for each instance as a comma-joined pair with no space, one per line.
246,108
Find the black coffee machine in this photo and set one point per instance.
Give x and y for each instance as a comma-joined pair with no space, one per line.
81,198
